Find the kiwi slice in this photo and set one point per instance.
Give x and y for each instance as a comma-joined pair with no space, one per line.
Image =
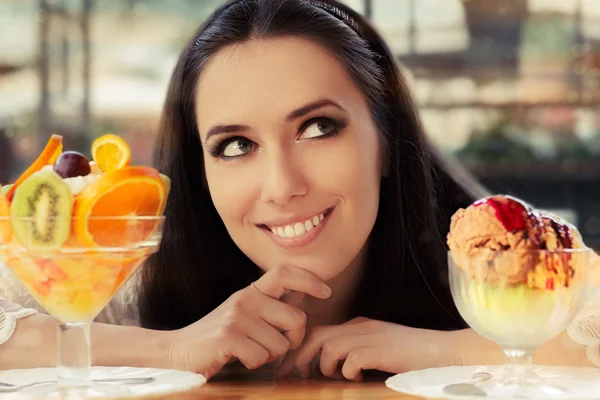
41,211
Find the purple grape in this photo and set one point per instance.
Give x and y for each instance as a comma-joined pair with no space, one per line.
71,164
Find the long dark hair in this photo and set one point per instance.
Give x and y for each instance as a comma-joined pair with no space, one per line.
199,266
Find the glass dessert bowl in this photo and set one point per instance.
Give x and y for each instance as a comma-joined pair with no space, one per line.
519,300
73,283
73,232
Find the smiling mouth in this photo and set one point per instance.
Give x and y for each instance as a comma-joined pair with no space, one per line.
297,229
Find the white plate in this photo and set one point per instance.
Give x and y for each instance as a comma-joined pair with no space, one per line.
166,381
582,383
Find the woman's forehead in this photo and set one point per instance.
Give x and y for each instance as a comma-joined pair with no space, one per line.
277,73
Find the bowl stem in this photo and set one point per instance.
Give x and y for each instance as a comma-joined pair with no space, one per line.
73,354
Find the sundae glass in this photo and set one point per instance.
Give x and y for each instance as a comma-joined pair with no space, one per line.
73,232
518,278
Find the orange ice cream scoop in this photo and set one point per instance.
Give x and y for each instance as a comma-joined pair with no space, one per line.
505,223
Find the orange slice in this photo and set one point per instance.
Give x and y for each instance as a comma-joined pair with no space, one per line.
126,192
110,153
57,153
43,159
5,227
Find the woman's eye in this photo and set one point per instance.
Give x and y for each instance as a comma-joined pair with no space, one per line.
237,147
319,127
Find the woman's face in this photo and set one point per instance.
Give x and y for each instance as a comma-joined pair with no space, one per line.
292,154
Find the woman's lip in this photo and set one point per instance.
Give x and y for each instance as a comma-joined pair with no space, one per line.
303,240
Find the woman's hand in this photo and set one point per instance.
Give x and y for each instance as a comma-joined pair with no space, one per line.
256,325
360,344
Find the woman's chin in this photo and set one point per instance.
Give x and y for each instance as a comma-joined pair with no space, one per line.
325,274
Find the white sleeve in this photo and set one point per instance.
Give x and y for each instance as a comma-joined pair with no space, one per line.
20,306
585,329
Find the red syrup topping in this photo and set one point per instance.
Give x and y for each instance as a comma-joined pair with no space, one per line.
512,213
562,231
515,215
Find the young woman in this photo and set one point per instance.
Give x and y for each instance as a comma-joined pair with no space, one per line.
307,217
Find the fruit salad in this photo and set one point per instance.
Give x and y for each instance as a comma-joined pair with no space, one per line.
74,230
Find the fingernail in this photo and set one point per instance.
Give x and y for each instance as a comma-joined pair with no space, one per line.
326,290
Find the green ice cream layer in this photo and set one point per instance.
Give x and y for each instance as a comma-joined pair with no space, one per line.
516,316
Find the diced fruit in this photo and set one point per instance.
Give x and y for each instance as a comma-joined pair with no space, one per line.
51,269
76,270
110,153
104,274
5,228
83,300
41,211
53,145
75,287
71,164
26,269
127,192
43,288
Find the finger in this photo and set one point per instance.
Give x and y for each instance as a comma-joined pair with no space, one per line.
338,373
292,298
360,359
322,334
307,351
286,366
266,336
357,320
290,320
295,335
276,281
250,353
210,363
337,350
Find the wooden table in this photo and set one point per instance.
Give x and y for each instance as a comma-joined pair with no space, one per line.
259,385
290,390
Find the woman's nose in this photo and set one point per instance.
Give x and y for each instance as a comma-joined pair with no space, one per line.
284,179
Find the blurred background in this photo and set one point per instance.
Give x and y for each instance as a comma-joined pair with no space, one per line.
510,87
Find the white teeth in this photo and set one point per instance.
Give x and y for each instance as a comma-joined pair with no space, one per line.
308,225
298,229
289,232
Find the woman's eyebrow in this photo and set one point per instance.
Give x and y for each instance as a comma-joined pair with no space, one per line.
297,113
220,129
315,105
